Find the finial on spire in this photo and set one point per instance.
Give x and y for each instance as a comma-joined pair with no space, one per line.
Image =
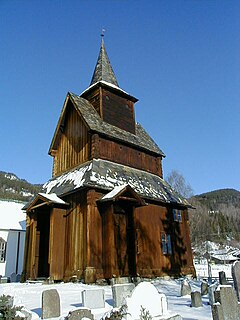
103,31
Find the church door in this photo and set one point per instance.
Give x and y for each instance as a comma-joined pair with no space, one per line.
124,240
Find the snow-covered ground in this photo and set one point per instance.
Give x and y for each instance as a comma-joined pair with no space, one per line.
29,295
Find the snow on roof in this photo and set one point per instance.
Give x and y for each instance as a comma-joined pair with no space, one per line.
115,191
52,197
107,84
76,177
108,175
12,216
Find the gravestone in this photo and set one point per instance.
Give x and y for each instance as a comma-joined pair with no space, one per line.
50,304
211,293
5,280
13,277
120,292
185,288
196,299
18,278
222,278
145,295
93,298
79,314
204,288
120,280
236,277
228,308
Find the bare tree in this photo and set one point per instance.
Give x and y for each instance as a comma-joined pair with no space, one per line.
178,182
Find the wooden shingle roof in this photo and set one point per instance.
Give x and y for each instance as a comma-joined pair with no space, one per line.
140,140
103,70
95,123
107,175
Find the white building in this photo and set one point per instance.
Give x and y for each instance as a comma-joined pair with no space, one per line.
12,237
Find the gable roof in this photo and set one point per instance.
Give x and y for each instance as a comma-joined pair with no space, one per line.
43,199
94,123
107,175
103,69
118,191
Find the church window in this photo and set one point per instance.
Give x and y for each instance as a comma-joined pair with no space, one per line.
3,246
166,244
177,215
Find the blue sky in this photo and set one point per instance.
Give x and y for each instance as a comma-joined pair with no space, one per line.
180,58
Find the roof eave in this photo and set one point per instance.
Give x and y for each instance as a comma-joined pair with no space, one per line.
110,87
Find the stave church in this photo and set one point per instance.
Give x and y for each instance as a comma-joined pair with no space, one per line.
106,212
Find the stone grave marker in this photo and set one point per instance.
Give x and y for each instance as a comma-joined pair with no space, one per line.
185,288
120,292
211,293
18,278
228,308
50,304
145,295
13,277
204,288
5,280
93,298
222,278
236,277
80,314
196,299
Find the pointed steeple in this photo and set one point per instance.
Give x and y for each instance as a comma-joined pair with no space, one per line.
103,70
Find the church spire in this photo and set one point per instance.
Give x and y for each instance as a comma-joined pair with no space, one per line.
103,70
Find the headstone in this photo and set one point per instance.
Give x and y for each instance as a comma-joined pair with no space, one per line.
93,298
204,288
120,280
13,277
228,308
90,275
222,278
120,292
18,278
5,280
211,293
50,304
79,314
196,299
146,296
236,277
185,288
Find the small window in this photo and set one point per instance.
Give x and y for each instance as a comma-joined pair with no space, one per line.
166,244
3,245
177,215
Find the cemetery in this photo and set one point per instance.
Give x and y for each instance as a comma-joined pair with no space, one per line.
159,298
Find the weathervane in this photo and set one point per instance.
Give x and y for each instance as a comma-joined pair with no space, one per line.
103,31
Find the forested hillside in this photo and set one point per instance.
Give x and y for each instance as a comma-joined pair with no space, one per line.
216,217
11,187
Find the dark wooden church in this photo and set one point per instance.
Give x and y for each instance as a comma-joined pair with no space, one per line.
106,212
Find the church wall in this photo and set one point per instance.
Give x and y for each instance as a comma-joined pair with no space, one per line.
73,148
118,111
153,223
76,241
114,151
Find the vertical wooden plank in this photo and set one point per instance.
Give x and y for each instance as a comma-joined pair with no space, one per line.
57,243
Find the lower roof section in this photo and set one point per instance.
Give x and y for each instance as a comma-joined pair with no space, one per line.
107,175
